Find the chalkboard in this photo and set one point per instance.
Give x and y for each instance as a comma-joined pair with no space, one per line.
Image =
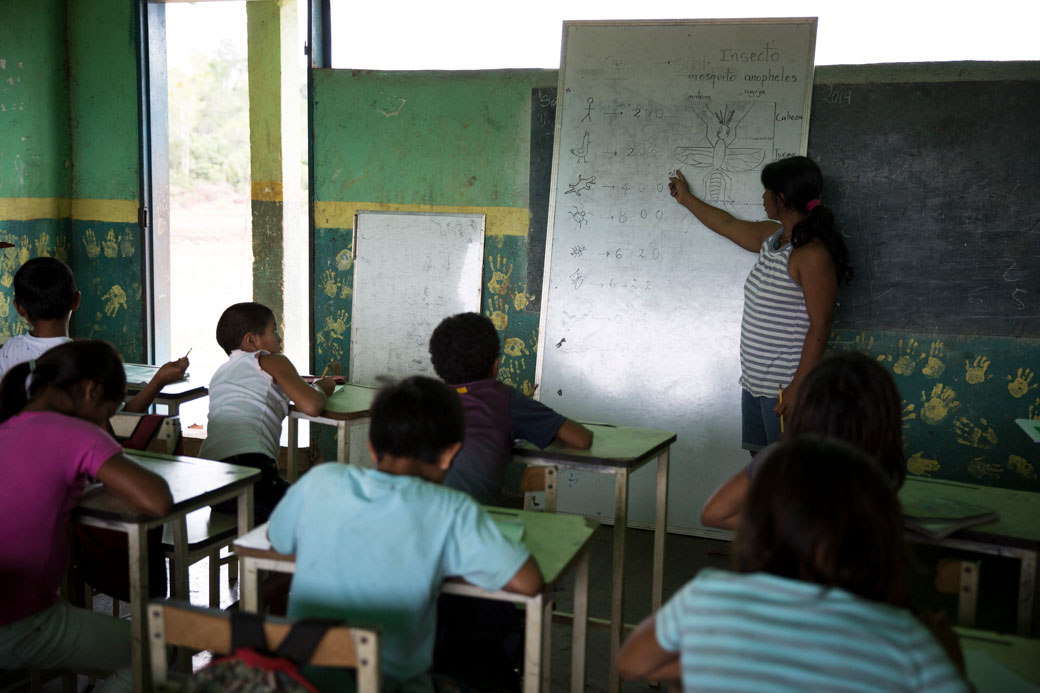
936,186
410,272
543,132
641,315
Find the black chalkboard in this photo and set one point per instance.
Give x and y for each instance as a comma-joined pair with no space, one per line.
543,131
936,186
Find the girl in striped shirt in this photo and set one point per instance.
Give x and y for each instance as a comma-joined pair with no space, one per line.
818,598
790,294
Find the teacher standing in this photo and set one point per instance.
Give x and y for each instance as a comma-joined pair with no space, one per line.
790,294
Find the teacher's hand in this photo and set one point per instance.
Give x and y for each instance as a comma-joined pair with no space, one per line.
786,404
677,186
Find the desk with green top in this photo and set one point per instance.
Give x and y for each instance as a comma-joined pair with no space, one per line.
1016,534
347,405
194,484
173,395
558,544
999,663
617,450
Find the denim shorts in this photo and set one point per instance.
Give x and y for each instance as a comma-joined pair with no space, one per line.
759,424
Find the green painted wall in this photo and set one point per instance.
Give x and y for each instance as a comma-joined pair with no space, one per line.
445,139
105,256
34,134
69,150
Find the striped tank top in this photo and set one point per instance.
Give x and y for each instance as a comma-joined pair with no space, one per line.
775,322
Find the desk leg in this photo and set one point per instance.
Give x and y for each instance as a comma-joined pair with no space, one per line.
617,605
245,511
580,626
137,536
180,559
533,643
250,586
343,441
660,530
291,464
1026,585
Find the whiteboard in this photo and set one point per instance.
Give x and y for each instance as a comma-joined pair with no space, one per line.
640,321
410,272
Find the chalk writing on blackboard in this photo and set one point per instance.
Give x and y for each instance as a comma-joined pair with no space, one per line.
582,183
578,216
582,151
720,130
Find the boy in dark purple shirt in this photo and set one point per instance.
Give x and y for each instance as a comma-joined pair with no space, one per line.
465,353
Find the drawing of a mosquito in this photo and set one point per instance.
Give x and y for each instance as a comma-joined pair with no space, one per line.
720,129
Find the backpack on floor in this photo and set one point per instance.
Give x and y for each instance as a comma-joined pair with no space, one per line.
252,667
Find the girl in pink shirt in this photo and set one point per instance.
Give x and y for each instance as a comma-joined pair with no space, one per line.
52,411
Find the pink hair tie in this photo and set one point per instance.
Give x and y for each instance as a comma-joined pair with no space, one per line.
811,205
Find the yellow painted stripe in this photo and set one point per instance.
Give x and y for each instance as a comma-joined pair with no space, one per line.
267,191
27,208
501,221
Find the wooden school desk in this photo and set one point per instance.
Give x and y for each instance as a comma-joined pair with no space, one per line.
617,450
557,542
194,484
173,395
1015,534
999,663
347,405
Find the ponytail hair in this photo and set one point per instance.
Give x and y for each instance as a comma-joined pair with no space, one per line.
799,181
64,367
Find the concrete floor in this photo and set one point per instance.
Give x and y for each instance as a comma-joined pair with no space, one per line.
684,557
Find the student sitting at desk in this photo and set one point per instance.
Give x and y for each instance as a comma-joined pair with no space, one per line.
847,395
52,411
373,546
249,398
817,600
45,295
465,350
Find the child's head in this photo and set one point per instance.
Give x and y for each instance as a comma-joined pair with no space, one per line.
248,326
84,378
418,419
850,396
44,289
464,348
820,510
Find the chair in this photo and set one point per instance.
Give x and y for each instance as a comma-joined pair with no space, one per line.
537,479
960,577
183,625
209,532
141,431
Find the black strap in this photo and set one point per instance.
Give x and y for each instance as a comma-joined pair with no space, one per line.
247,630
303,639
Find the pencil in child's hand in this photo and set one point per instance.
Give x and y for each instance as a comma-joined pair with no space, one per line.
187,352
324,372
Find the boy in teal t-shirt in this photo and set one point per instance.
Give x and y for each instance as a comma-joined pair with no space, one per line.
373,546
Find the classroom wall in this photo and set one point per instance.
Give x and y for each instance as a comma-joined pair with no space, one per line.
452,142
448,141
68,158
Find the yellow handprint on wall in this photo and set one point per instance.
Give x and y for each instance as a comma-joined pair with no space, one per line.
907,363
977,436
23,252
975,372
935,366
329,285
980,468
938,405
5,305
43,242
512,370
521,299
528,388
109,246
126,243
501,271
1021,466
908,414
114,299
1021,383
515,346
344,260
338,325
90,244
863,343
920,465
497,313
1034,410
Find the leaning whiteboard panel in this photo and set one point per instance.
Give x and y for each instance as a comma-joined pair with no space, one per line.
411,270
641,309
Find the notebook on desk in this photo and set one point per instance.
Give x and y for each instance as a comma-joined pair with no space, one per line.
939,517
142,374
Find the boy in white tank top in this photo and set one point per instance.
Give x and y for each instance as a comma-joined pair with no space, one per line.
249,397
